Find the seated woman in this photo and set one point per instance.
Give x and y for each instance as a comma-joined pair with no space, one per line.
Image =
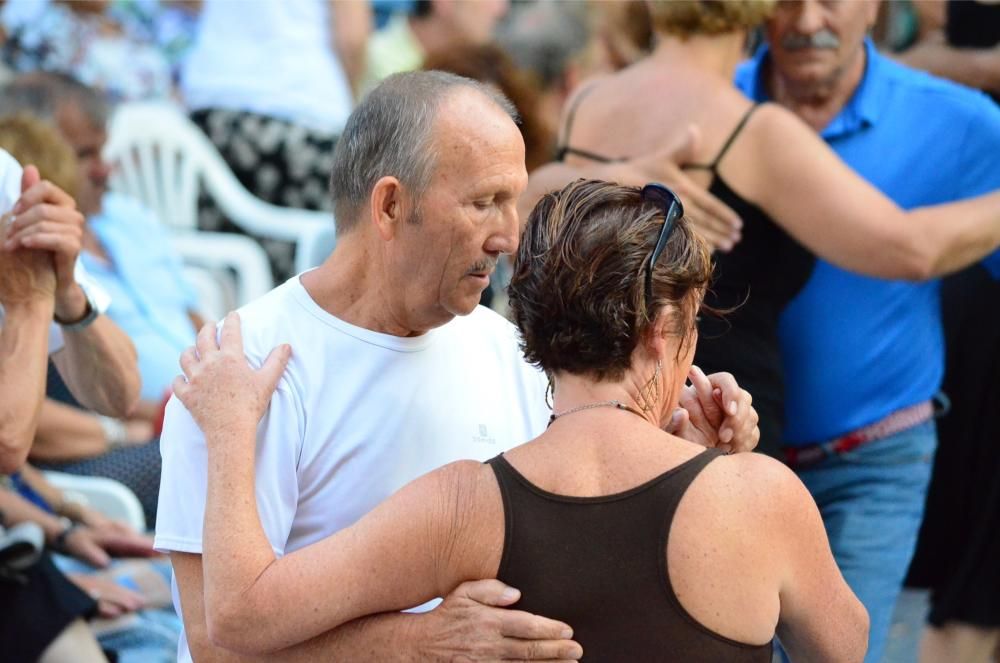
643,542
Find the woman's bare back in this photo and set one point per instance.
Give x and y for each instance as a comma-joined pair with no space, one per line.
658,103
722,561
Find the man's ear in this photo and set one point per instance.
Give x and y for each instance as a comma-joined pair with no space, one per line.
387,207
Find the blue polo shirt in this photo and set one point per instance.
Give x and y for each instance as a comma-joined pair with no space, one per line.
857,348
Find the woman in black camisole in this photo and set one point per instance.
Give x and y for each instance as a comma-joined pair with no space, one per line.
796,198
650,547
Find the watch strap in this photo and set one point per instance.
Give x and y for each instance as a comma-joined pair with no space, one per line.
90,314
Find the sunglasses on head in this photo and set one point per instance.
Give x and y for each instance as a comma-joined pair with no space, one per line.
672,210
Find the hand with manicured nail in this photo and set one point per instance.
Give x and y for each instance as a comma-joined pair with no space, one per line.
715,412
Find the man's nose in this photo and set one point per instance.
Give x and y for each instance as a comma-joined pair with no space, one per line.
505,237
100,170
810,18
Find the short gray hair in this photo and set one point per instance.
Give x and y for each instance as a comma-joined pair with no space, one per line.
42,94
545,37
389,134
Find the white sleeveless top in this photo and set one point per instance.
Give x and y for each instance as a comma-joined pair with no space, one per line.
270,57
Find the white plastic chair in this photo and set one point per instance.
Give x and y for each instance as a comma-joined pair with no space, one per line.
216,290
220,252
107,496
161,158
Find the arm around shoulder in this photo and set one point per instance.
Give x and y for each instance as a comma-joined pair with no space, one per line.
818,199
418,544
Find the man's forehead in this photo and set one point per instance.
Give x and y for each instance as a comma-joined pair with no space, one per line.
479,130
842,11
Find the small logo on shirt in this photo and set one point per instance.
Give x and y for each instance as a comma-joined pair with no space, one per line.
484,436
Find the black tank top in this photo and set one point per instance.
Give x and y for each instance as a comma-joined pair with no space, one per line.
758,278
600,565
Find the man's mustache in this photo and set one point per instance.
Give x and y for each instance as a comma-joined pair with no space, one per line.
485,266
822,39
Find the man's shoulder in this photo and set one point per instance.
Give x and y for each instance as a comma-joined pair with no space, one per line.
919,87
271,319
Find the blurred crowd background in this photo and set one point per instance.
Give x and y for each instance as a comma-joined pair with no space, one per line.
246,99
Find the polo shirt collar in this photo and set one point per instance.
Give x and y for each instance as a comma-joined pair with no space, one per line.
862,110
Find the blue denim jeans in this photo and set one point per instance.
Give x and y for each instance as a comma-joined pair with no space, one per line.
872,503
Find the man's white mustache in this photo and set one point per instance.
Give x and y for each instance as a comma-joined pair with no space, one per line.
821,39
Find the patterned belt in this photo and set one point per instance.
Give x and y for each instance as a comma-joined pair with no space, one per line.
898,421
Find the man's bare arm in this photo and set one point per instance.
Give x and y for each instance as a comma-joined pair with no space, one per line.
27,294
98,363
99,367
471,624
23,362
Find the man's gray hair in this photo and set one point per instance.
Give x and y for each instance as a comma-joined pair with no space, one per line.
42,94
389,134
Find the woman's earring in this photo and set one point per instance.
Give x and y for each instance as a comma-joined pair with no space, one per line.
651,392
549,392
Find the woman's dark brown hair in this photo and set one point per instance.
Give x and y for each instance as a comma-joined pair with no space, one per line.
578,289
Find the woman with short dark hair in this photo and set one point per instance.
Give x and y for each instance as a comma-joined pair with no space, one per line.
648,545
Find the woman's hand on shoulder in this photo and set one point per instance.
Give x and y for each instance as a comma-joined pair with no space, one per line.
219,388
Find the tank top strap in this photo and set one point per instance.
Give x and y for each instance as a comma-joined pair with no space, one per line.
725,146
681,477
571,113
564,148
670,486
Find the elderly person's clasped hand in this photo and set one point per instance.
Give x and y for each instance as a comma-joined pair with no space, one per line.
44,226
27,272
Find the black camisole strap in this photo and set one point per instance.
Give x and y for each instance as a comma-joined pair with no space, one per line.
564,147
725,146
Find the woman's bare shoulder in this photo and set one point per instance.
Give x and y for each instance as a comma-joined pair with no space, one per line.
763,485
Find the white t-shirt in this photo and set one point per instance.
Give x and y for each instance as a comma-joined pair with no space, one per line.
275,58
10,191
357,415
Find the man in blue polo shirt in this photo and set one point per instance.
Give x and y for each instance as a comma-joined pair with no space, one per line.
864,357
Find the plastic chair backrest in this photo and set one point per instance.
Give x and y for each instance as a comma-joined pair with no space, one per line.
163,159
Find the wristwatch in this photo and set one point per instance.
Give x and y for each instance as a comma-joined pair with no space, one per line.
68,527
90,314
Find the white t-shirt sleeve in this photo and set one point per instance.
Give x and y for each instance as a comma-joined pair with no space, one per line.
10,181
183,480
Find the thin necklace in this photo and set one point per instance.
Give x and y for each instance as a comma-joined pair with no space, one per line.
617,404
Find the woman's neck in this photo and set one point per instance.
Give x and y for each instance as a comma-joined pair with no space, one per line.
719,54
573,393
